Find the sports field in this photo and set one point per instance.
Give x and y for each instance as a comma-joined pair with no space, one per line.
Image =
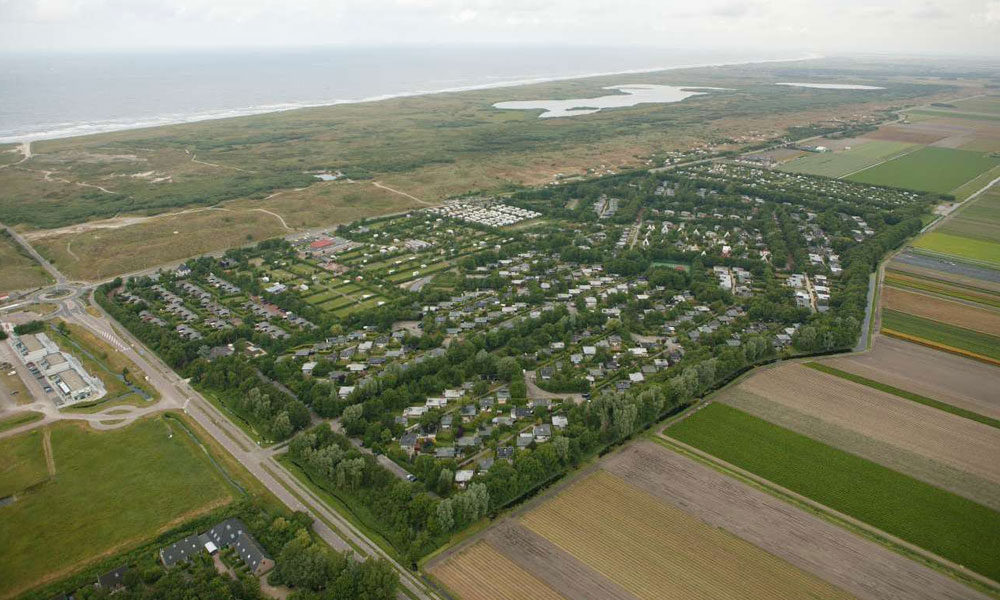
838,164
105,495
944,523
929,169
942,333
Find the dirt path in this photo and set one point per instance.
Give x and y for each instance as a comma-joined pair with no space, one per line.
275,215
50,460
194,159
49,177
387,188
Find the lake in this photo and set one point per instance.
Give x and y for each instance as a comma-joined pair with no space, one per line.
629,95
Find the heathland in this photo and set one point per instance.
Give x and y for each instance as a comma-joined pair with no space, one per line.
260,169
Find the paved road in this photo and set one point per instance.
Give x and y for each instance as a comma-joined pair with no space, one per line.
177,394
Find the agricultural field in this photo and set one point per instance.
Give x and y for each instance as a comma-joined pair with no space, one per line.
929,169
926,443
949,378
482,573
19,271
959,314
655,550
944,523
935,285
941,335
961,246
103,497
844,162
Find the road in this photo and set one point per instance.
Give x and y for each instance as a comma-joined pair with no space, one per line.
177,394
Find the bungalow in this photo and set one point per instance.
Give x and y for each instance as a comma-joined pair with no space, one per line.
541,403
445,452
345,391
446,422
464,476
505,453
560,421
467,441
408,443
524,439
307,368
542,433
112,580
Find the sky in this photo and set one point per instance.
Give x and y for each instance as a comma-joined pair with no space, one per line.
925,27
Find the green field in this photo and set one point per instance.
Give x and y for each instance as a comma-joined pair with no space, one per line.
111,490
838,164
929,169
16,420
960,246
23,465
944,523
935,331
19,271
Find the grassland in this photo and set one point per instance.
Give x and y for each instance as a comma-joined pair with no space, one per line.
929,169
19,271
944,523
838,164
17,419
23,464
105,496
655,550
942,333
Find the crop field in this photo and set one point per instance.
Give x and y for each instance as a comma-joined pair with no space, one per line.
926,443
844,162
958,381
929,169
941,333
80,513
961,246
941,288
858,566
655,550
944,523
983,320
19,271
23,464
482,573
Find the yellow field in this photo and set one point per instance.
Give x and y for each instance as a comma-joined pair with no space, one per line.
482,573
657,551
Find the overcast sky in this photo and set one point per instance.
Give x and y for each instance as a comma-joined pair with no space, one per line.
828,26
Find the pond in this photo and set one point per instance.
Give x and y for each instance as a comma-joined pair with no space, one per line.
628,95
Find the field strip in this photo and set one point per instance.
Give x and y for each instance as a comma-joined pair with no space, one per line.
50,460
939,346
968,414
902,460
955,441
893,157
793,533
985,586
482,573
544,560
991,314
658,551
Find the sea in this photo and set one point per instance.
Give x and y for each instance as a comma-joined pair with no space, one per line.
56,95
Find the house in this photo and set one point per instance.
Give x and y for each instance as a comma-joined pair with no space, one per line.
505,453
446,422
524,439
467,441
485,464
232,532
445,452
112,580
307,368
560,421
541,403
520,412
408,442
464,476
546,373
345,391
542,433
180,551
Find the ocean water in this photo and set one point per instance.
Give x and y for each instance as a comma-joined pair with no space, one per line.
46,96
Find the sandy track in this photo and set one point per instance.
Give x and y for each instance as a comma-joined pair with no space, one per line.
945,311
547,562
856,565
962,382
955,441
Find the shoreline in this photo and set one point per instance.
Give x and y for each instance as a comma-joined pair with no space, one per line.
95,128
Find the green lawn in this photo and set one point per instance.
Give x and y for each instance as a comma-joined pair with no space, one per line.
838,164
929,169
944,523
942,333
111,490
16,420
23,466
